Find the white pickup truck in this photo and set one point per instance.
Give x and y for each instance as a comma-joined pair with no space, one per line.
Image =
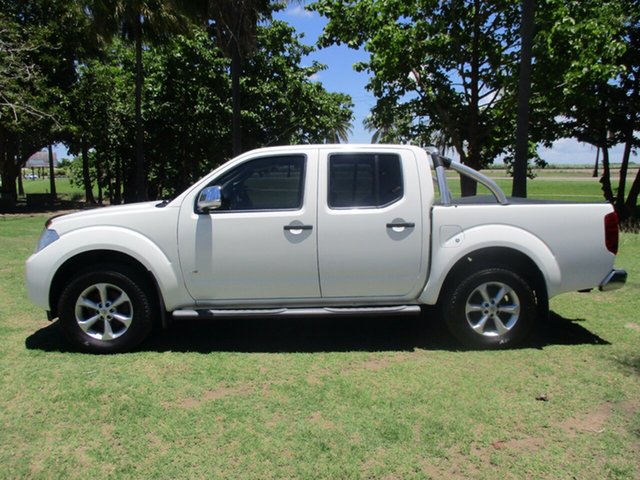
321,230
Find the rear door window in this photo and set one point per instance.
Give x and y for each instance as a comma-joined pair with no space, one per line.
364,180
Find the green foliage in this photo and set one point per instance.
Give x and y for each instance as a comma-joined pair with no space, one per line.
445,73
187,111
273,78
37,70
439,69
187,107
19,78
592,49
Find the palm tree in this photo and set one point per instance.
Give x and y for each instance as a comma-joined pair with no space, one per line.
339,125
236,24
339,133
137,21
378,132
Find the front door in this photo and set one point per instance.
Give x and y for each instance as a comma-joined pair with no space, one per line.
261,244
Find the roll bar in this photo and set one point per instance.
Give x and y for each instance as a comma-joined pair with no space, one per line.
441,163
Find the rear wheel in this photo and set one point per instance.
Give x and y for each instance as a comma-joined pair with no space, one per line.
106,310
491,308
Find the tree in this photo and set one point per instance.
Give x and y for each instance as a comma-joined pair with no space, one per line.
101,119
188,106
339,119
521,158
592,48
446,65
187,75
273,78
630,83
16,71
236,23
37,69
16,101
137,21
395,129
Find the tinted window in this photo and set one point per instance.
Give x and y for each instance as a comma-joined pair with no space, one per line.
272,183
364,180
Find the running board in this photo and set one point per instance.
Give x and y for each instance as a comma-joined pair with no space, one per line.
297,312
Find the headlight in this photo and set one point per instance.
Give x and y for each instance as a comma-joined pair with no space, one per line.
47,237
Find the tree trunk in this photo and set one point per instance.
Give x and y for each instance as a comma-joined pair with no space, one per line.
469,187
631,123
99,177
8,194
236,123
605,180
631,204
86,177
108,181
52,174
521,159
140,175
117,183
10,172
595,166
624,167
20,184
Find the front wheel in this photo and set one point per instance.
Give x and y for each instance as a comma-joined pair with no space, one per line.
106,310
491,308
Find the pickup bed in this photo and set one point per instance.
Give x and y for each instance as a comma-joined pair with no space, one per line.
321,230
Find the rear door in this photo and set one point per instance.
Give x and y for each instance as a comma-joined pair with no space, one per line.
370,227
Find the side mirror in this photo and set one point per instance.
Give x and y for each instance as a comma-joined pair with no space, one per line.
209,199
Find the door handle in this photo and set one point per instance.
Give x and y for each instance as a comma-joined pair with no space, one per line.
401,225
298,227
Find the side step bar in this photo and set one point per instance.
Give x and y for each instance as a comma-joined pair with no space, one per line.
297,312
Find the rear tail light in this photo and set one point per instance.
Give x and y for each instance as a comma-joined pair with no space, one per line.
611,232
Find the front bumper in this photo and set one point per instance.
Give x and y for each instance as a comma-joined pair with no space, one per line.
614,280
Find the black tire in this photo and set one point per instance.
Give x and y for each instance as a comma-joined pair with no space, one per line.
491,308
106,310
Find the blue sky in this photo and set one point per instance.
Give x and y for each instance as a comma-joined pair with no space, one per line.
339,76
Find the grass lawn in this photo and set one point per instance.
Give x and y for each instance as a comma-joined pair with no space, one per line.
567,184
364,398
64,188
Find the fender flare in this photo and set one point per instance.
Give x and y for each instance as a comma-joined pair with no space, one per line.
123,241
445,256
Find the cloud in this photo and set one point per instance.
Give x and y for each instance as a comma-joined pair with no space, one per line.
298,11
570,151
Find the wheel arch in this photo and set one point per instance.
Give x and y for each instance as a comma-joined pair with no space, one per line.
86,261
487,257
499,257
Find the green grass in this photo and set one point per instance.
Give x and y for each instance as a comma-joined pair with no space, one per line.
64,188
42,185
567,184
362,398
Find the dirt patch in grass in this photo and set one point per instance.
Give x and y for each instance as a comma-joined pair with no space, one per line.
212,395
316,376
633,326
376,364
317,419
527,444
456,466
592,422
